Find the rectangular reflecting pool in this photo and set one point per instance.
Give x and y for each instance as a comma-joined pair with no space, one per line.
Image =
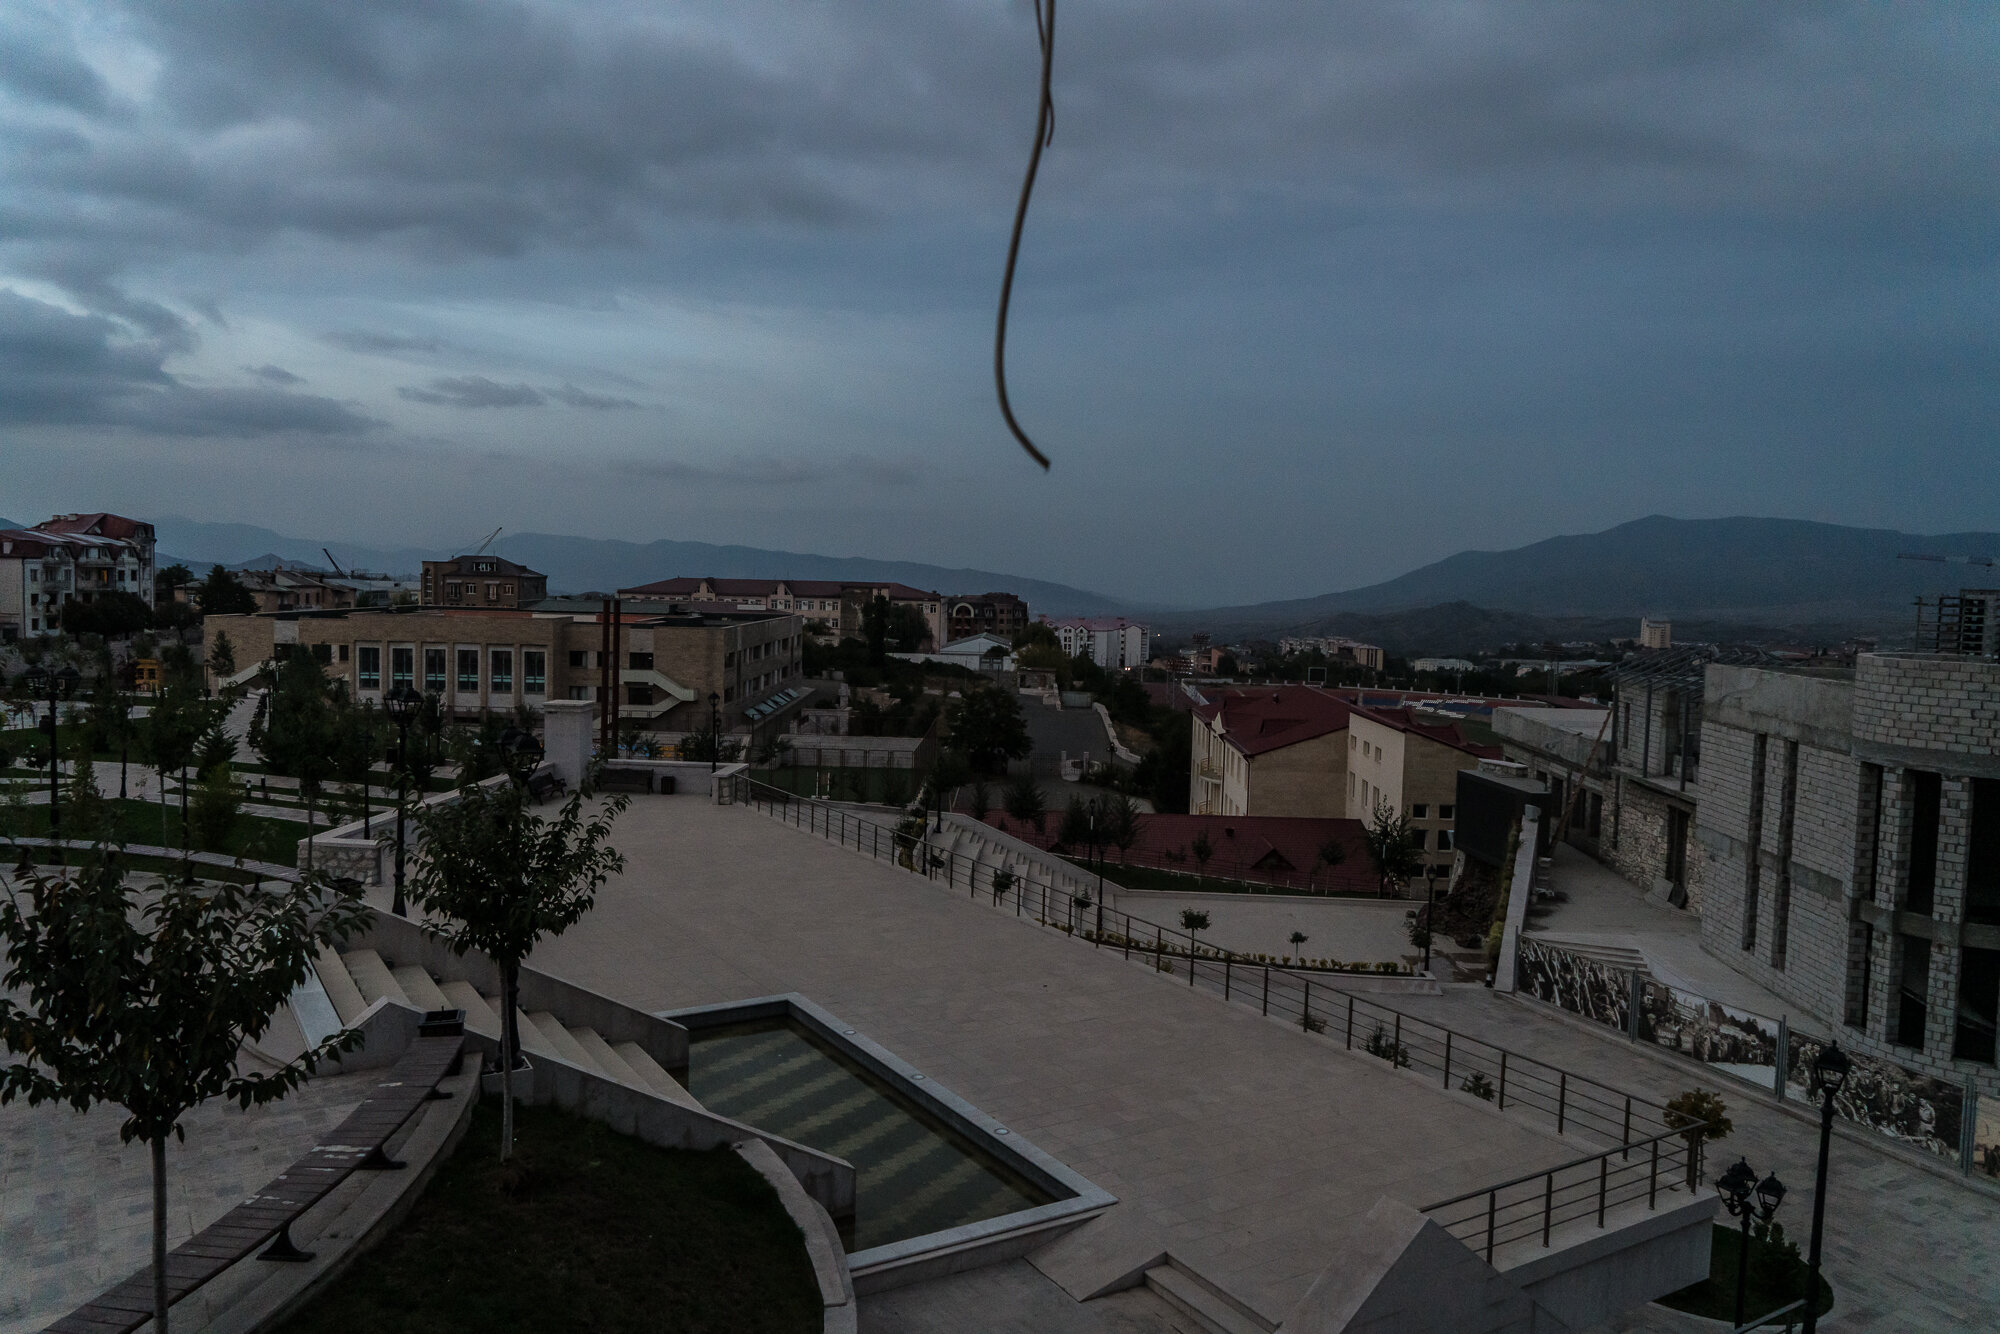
915,1174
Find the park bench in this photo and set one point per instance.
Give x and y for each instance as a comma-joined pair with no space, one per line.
357,1144
546,783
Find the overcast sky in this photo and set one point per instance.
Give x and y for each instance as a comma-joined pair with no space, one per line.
1310,293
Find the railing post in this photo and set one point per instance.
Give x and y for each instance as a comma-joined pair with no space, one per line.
1625,1140
1267,989
1447,1059
1350,1021
1490,1202
1603,1178
1653,1176
1503,1079
1306,1012
1225,977
1562,1100
1398,1038
1548,1204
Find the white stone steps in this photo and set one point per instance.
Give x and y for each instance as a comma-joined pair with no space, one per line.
339,986
417,985
372,976
480,1015
653,1073
561,1042
1213,1311
530,1036
608,1060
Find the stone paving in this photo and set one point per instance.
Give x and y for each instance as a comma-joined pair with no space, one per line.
76,1206
1244,1141
1905,1249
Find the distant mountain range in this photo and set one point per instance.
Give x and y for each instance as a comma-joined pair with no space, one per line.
1712,577
585,564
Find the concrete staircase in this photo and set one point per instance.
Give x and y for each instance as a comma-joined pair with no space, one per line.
1208,1306
356,979
1602,951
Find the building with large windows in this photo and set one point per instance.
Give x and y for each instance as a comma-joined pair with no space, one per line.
70,558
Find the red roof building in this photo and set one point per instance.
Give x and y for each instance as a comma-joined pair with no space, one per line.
1280,751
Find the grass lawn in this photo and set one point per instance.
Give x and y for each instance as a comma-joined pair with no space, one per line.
255,837
873,786
1148,877
608,1234
1777,1277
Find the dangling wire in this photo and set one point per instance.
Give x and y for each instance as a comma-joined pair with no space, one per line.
1045,131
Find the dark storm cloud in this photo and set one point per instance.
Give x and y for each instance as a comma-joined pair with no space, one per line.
363,340
277,375
583,398
472,391
84,370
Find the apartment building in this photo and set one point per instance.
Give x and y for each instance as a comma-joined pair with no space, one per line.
281,589
1000,614
837,605
1270,752
1112,642
479,661
1336,649
482,581
1407,762
71,557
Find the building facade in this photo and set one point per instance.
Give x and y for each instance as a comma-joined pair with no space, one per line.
1270,752
489,583
1336,649
1408,765
479,662
833,609
1853,831
71,557
1112,642
281,589
1000,614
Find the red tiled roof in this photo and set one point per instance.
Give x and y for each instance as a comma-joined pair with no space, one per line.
97,525
28,542
1404,720
1263,720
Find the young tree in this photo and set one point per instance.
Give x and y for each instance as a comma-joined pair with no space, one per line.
111,717
218,805
1700,1116
170,733
223,594
143,1000
1120,820
1203,849
987,725
1193,922
301,731
86,817
1298,939
981,800
361,733
1332,853
222,658
491,875
1394,845
1079,826
1024,802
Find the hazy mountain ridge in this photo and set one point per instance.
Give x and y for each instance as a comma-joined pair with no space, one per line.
583,564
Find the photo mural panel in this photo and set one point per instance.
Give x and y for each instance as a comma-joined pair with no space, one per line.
1734,1041
1597,991
1923,1112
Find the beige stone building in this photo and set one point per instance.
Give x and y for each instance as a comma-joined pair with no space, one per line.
482,581
478,662
1279,751
1406,762
834,604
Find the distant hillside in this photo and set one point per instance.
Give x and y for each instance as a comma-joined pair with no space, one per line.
583,564
1785,575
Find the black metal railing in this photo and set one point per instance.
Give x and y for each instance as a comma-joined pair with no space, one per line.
1561,1099
1532,1206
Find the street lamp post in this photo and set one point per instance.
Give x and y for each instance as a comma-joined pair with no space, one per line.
1829,1075
1430,926
59,685
521,753
402,704
714,730
1746,1198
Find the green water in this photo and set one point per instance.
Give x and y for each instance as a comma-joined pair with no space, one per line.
914,1175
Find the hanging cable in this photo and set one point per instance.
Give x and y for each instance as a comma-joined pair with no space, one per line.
1045,130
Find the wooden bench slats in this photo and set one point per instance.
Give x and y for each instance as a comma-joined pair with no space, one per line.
248,1226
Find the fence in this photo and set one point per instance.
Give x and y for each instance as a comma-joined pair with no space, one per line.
1349,878
1531,1207
1932,1115
1559,1098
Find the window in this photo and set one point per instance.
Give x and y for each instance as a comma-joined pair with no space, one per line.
368,667
1445,811
638,692
451,591
502,673
1441,871
343,653
468,670
729,659
1423,837
534,671
1446,840
322,653
434,671
1926,801
579,657
639,662
1420,811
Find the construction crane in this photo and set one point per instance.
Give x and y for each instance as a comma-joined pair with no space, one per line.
487,543
334,563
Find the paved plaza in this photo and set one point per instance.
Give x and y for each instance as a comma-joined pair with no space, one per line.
1351,930
1244,1142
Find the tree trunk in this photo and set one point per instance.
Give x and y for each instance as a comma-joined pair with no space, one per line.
310,793
367,812
510,1043
159,1147
184,806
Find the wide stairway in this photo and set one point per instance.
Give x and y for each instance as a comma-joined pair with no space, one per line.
356,979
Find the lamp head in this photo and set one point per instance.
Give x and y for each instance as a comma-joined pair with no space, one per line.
1830,1069
69,676
36,676
402,704
1735,1185
1770,1194
713,699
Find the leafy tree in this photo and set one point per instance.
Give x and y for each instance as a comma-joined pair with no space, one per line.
1120,821
1193,922
218,805
223,594
1332,853
981,800
1023,801
1298,939
1038,633
301,732
360,735
1203,848
111,614
222,657
1395,846
948,775
494,876
1079,826
1048,657
1226,665
987,725
144,999
1700,1116
111,718
710,747
171,731
173,577
86,817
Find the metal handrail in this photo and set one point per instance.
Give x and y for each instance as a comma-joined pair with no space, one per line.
1792,1309
1546,1171
1557,1092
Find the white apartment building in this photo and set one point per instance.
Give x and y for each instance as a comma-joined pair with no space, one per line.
1112,642
72,557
